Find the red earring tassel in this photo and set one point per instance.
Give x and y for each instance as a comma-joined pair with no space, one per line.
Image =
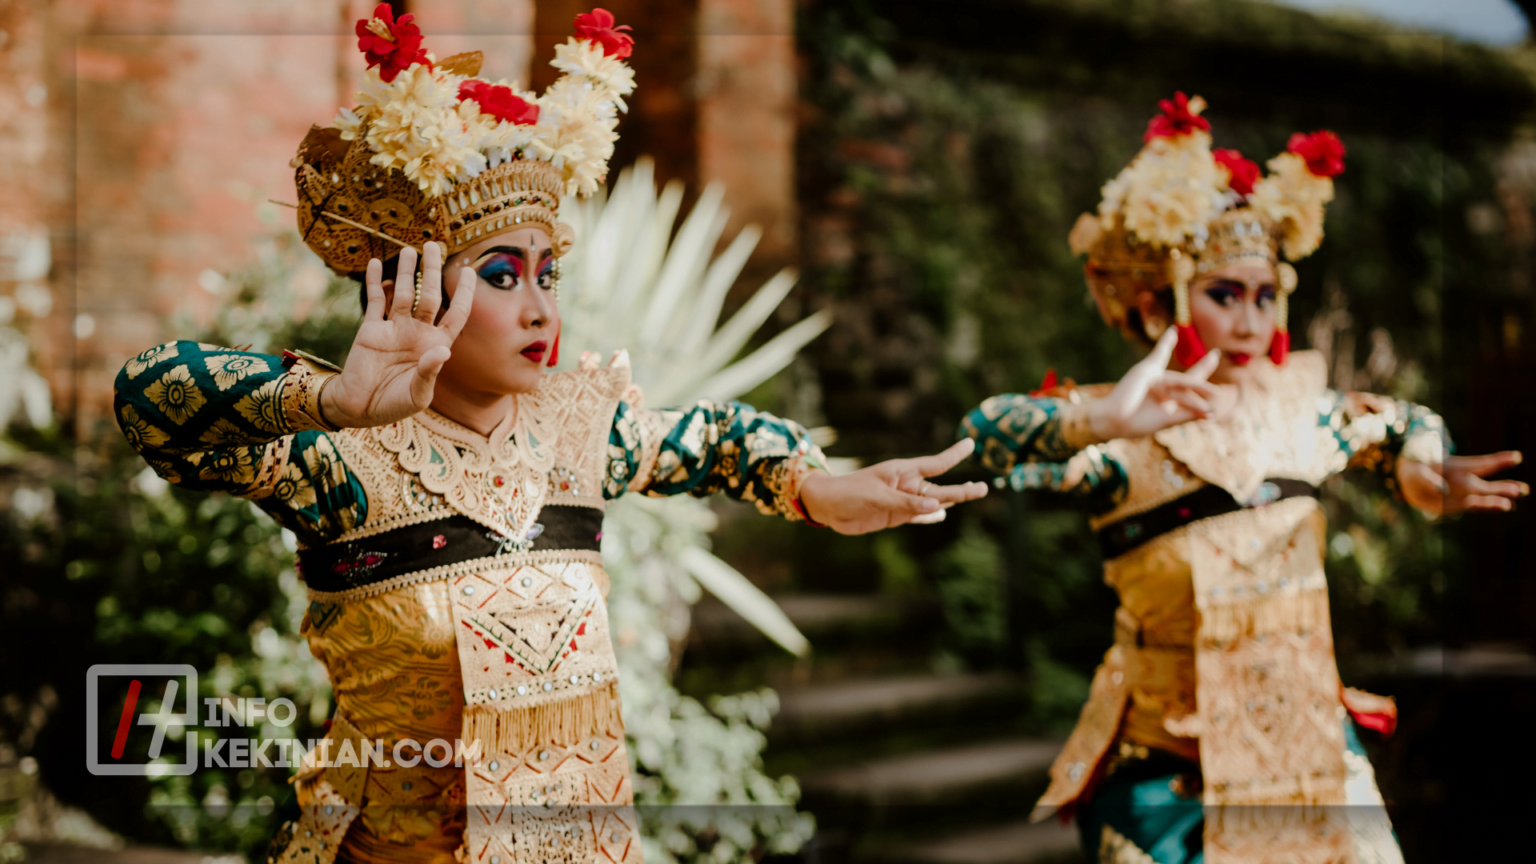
1189,349
1279,347
554,352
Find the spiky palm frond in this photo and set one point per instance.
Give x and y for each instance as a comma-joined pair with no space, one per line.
630,283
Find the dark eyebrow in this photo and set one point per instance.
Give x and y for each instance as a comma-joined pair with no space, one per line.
510,250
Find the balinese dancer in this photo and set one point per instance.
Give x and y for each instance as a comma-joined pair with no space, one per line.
1221,692
446,489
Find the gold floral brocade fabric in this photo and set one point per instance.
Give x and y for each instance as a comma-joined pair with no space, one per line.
394,670
1223,651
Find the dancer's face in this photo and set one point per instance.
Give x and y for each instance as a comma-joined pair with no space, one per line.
514,321
1233,308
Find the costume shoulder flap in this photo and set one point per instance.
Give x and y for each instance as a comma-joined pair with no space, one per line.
1273,431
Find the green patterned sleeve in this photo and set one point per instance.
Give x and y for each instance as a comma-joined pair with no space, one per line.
711,447
1039,443
1374,432
220,420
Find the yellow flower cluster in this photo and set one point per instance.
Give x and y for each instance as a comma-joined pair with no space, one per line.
1293,198
1169,193
416,124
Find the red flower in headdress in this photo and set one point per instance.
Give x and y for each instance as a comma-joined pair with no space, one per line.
1323,152
500,102
1047,384
389,44
1242,172
598,26
1179,117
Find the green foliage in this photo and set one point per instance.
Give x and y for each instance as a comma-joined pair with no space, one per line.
112,564
942,170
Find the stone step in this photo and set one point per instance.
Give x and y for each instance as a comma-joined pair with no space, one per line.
840,709
829,616
943,778
851,636
1047,842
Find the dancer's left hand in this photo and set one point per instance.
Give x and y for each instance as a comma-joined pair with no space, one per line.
1458,485
889,493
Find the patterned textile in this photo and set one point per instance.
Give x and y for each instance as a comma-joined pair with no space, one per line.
1147,810
503,645
1021,437
1223,650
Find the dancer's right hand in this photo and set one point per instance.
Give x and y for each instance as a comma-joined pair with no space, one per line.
392,367
1151,398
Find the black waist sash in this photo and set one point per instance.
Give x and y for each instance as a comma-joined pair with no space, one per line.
440,543
1118,538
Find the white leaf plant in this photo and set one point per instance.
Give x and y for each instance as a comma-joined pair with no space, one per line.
631,283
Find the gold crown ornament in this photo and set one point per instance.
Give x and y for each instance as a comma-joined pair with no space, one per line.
432,152
1181,209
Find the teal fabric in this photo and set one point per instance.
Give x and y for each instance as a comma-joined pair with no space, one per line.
204,417
1019,437
1139,802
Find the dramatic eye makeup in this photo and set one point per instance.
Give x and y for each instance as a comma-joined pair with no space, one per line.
500,267
1225,293
546,278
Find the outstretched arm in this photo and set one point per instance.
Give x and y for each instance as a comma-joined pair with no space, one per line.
1408,444
1039,442
248,424
771,462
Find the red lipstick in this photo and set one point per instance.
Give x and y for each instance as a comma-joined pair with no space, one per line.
535,351
1240,359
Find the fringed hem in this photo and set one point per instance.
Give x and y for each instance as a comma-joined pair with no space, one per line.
569,721
1297,611
1269,815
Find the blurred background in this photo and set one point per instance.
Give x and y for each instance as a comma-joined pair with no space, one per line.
919,165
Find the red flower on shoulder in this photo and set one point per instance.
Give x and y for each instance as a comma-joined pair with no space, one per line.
1322,150
1242,173
389,44
598,26
1181,116
499,102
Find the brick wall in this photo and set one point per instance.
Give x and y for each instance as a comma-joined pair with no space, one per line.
142,138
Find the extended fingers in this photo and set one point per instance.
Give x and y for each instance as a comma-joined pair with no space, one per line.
425,381
938,463
431,282
463,298
1477,486
405,284
904,505
1491,463
373,281
1207,365
1162,352
956,494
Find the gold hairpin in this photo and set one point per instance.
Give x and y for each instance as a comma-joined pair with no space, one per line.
328,214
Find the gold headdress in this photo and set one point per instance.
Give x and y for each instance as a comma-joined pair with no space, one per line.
432,152
1181,208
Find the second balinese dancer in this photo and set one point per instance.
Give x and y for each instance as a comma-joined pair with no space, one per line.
1217,728
446,489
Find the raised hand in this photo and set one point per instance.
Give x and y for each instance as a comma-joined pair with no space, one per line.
1151,398
393,364
888,494
1457,486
